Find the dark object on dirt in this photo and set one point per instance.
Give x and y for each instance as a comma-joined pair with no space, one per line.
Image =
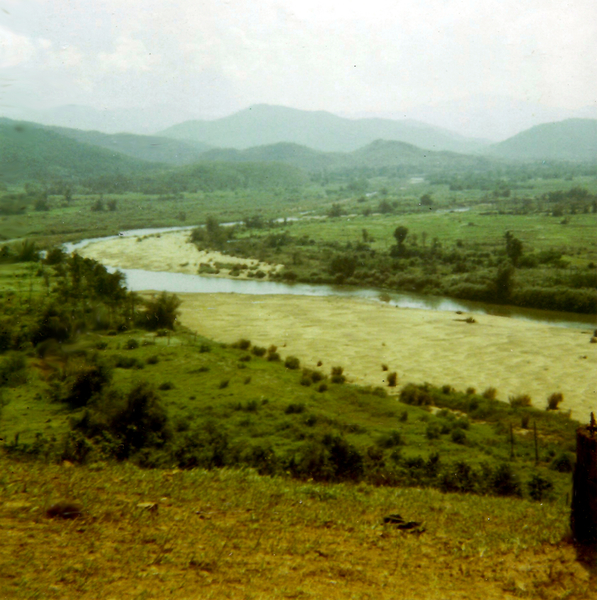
397,520
394,519
65,510
583,516
467,320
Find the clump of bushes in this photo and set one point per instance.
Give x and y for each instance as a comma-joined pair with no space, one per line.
167,385
338,375
416,395
520,401
272,354
390,440
292,362
490,393
258,351
553,402
154,359
242,344
392,379
131,344
294,409
127,362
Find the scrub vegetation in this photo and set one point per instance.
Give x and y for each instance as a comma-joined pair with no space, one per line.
225,462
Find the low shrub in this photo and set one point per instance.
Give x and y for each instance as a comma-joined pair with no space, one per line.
258,351
154,359
273,356
539,487
294,409
203,348
562,463
242,344
554,400
131,344
392,379
490,393
223,384
127,362
433,431
167,385
415,395
292,362
458,436
338,375
390,440
322,388
520,401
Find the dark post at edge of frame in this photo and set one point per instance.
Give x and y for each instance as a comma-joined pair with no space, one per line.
583,517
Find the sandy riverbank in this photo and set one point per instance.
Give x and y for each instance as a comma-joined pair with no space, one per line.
171,252
421,345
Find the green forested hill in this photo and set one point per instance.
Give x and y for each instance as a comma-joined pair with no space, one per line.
143,147
28,153
205,176
569,140
264,125
378,154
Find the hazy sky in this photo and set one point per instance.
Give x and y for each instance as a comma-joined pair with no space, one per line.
212,57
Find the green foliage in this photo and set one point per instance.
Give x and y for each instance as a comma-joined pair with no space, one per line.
86,383
13,369
292,362
131,344
160,312
554,400
520,401
539,487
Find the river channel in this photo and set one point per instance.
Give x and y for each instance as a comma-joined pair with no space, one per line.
138,280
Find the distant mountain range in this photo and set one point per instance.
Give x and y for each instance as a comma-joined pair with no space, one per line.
263,124
570,140
29,152
143,147
486,116
144,121
380,153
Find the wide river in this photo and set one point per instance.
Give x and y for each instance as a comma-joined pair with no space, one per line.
138,280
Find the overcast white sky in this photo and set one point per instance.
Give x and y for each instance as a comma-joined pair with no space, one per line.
211,57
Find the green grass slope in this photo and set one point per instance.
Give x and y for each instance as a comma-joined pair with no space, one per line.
569,140
28,153
263,124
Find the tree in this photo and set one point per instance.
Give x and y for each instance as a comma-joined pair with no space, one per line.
426,200
400,234
513,247
161,312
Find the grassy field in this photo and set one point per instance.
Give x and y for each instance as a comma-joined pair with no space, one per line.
233,534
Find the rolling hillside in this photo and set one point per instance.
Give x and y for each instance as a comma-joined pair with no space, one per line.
569,140
377,154
264,125
29,153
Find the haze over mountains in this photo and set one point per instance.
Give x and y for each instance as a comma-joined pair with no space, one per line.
271,133
264,124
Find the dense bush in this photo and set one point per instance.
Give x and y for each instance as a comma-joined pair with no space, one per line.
292,362
160,312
